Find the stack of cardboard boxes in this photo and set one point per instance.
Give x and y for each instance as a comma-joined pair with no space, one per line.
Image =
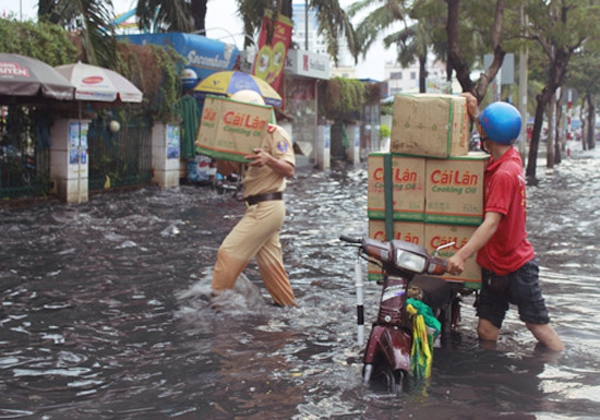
428,189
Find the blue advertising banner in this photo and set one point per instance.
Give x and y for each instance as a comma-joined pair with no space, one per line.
205,56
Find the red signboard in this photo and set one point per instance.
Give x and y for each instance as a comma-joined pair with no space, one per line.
269,62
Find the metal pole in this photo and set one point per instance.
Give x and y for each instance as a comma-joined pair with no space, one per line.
523,81
569,113
498,93
79,159
306,25
360,309
316,118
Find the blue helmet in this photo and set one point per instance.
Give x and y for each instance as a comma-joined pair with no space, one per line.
501,122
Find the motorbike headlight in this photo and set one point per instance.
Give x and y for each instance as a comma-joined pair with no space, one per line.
411,262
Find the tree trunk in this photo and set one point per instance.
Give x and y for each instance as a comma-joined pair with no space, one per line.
559,137
463,73
47,12
551,132
586,130
454,55
556,75
591,124
422,73
542,102
199,15
286,8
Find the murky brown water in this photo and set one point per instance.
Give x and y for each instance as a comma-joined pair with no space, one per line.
105,313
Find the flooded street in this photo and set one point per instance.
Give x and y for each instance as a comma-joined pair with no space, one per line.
106,312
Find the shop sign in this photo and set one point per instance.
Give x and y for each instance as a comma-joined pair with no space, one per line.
308,64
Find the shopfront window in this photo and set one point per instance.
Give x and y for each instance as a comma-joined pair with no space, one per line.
300,104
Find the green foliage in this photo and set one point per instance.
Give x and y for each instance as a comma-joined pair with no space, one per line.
584,71
155,71
343,97
45,41
164,16
384,131
87,20
386,108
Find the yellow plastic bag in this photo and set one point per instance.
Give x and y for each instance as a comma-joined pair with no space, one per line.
421,353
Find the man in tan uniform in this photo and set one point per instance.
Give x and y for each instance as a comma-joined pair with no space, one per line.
257,233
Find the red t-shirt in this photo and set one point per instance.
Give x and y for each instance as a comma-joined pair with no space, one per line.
504,193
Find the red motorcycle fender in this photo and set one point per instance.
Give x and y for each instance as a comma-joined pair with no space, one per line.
393,343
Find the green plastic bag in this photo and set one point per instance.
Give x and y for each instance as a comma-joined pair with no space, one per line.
421,353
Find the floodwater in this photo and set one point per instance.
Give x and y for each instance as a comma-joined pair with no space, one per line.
106,312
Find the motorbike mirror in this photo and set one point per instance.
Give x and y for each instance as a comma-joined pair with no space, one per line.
439,248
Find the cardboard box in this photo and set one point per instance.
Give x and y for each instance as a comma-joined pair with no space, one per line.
231,129
430,125
454,189
437,235
413,232
405,231
407,175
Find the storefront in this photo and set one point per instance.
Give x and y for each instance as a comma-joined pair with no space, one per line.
303,71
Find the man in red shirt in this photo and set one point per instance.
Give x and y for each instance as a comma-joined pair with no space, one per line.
510,273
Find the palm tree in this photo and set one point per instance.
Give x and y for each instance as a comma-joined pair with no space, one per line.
171,15
386,14
333,20
91,20
411,42
421,21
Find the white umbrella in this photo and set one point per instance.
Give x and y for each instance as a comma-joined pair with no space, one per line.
93,83
97,84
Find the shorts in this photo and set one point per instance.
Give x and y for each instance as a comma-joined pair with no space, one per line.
521,287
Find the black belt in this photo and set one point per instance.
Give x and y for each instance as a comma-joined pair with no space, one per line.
255,199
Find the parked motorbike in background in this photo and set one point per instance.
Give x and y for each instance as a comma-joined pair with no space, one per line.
414,302
203,171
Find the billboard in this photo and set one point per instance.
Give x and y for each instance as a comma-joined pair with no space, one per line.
204,55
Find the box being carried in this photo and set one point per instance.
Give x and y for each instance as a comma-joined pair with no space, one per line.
430,125
231,129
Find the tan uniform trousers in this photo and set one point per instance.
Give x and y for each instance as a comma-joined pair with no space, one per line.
256,235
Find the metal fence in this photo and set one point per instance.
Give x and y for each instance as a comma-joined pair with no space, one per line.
24,173
24,152
125,157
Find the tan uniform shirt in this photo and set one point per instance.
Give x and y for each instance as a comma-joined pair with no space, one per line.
264,180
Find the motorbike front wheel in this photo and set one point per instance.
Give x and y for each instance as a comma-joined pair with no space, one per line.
381,378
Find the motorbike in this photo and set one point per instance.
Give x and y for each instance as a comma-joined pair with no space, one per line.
409,272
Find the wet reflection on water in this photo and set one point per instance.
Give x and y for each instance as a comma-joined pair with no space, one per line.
106,313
